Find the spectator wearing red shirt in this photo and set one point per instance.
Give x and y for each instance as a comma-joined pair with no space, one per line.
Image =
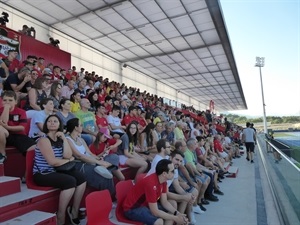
101,94
11,62
40,64
101,120
68,74
56,73
141,202
108,104
105,147
219,149
74,73
13,122
131,116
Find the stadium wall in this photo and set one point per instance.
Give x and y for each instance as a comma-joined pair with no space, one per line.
93,60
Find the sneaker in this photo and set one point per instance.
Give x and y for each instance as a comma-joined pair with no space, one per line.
218,192
202,207
247,159
252,161
103,172
197,210
204,201
212,198
192,219
2,158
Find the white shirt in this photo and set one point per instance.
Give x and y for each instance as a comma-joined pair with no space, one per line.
152,170
115,121
249,134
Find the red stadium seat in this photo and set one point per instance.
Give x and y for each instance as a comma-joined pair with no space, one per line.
122,189
29,174
98,213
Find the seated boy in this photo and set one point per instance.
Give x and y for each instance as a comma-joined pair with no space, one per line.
12,126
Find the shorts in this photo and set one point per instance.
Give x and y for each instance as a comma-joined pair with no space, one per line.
20,142
122,159
223,154
113,159
203,178
143,214
189,190
250,146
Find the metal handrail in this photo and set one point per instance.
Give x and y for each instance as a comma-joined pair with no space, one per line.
283,155
281,215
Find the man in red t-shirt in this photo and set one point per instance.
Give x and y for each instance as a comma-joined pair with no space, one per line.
11,62
131,116
143,203
13,121
219,148
101,120
108,104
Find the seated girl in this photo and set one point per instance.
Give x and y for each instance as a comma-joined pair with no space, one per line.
90,165
127,150
51,151
105,147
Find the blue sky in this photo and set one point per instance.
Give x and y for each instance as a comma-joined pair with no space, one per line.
269,29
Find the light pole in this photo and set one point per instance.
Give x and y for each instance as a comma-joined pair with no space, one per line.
260,62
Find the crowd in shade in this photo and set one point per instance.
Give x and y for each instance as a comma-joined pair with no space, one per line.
103,126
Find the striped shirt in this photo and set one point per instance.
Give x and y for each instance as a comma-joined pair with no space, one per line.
40,163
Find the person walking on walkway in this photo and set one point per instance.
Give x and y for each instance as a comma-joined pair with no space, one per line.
249,139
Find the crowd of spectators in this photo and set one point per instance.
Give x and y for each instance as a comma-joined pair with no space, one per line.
106,125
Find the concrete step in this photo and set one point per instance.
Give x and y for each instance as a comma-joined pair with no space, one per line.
27,200
33,218
233,171
9,185
1,169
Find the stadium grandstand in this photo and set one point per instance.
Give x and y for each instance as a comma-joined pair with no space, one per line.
98,94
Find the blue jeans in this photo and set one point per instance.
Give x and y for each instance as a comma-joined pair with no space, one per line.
141,214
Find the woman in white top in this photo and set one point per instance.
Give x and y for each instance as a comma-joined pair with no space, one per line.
89,164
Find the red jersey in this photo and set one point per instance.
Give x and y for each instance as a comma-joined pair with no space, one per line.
147,190
68,76
128,119
102,146
101,121
101,98
142,121
17,117
108,109
13,65
218,146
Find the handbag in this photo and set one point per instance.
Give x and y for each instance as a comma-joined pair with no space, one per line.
65,167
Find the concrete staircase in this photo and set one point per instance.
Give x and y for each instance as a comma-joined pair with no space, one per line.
20,205
33,218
